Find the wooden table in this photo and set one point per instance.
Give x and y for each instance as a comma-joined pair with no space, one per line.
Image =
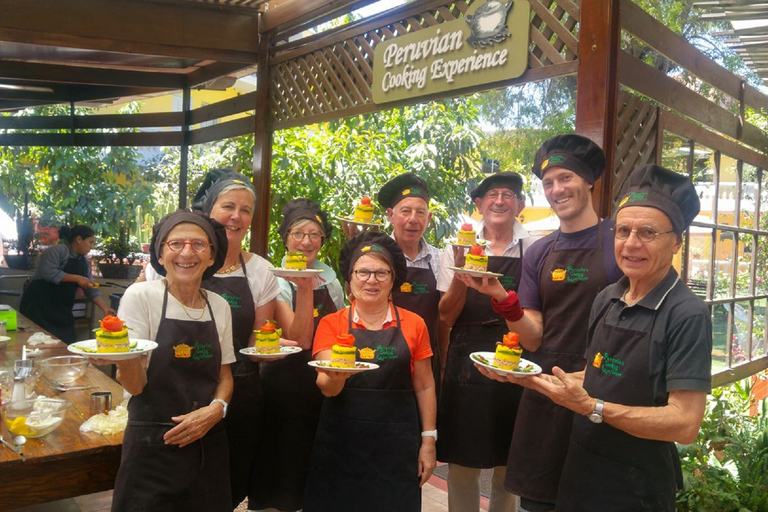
66,462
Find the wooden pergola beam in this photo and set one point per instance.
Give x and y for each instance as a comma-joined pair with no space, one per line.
153,29
293,14
31,72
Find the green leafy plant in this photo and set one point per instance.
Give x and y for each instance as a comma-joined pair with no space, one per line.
120,249
727,467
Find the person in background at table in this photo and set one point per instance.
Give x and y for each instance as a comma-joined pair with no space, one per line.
406,199
2,253
368,453
175,454
648,356
251,290
292,401
50,296
562,274
476,417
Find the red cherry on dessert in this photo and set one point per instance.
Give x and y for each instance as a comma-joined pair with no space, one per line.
476,250
466,226
365,200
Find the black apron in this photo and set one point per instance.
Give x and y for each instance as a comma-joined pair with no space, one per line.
419,294
476,415
50,305
367,445
543,428
245,412
182,376
292,404
606,468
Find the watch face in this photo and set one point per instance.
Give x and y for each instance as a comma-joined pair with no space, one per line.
596,418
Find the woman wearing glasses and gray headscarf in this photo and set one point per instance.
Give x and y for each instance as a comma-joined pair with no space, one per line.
175,448
291,399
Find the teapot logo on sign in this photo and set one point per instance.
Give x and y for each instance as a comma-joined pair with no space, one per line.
490,44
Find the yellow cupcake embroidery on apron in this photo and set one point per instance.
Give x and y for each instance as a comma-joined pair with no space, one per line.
559,274
367,353
406,288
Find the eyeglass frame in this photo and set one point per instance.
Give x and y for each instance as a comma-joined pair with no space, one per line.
637,233
494,195
185,243
293,235
375,273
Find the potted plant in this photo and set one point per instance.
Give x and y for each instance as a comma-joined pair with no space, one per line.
118,253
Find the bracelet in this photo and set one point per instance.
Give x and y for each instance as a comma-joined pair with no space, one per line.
509,308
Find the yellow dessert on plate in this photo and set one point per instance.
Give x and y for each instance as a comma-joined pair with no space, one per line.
363,211
467,234
343,352
268,338
476,259
508,352
112,336
296,261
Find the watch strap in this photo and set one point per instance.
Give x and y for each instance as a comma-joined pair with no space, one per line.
429,433
223,403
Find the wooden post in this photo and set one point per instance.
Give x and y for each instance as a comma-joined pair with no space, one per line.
262,152
186,100
597,87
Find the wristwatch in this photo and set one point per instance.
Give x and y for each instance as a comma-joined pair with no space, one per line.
596,416
223,403
429,433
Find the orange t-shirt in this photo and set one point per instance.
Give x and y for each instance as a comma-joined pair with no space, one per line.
413,327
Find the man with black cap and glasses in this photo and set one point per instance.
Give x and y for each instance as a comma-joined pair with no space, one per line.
476,419
562,274
648,357
406,199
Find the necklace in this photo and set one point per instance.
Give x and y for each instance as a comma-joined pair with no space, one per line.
202,313
230,269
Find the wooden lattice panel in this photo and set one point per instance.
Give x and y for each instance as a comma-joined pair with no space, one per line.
636,138
331,75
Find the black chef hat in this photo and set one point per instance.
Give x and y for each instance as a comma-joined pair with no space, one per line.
374,241
300,209
215,181
654,186
573,152
217,235
400,187
507,179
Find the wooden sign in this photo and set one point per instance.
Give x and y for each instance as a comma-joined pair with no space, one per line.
489,44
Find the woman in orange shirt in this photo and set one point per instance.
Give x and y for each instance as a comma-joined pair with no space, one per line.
368,452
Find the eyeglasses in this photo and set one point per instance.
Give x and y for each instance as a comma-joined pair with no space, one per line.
645,235
507,196
364,275
178,245
298,236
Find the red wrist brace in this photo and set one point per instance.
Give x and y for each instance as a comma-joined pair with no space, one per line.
509,308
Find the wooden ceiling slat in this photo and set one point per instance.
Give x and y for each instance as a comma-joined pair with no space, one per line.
32,72
154,29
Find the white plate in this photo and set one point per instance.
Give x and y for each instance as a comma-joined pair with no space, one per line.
475,273
525,369
455,241
359,366
358,222
87,348
284,351
4,340
289,272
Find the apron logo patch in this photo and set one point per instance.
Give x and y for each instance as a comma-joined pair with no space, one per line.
414,288
508,282
182,351
385,353
203,351
611,365
570,274
367,353
598,360
232,300
318,311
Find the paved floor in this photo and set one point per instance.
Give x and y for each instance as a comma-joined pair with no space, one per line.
434,499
